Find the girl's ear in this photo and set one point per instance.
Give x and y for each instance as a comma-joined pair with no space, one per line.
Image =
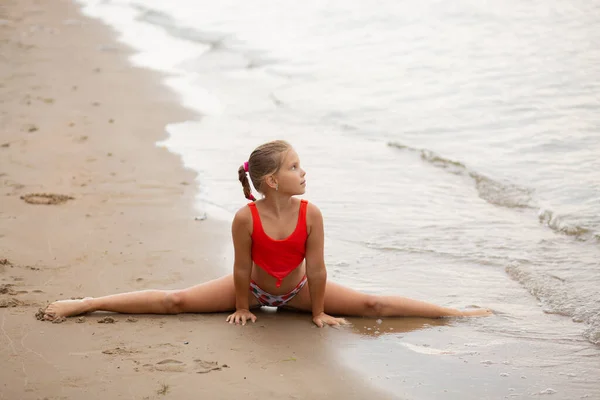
271,181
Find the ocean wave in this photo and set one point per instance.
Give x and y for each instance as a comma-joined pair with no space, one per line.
557,297
504,194
494,192
215,41
557,223
173,28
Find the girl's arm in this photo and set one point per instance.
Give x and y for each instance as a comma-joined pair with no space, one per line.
242,265
315,260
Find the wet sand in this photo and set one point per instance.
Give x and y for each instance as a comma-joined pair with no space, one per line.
89,205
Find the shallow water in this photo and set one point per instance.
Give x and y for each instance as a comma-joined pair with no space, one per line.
452,147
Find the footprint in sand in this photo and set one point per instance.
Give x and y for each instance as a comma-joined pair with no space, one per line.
5,303
140,357
120,351
8,289
197,366
204,367
45,198
169,365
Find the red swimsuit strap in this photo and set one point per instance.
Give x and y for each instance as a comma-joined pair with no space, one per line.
256,223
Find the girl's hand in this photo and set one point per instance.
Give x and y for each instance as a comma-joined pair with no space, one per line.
323,319
240,317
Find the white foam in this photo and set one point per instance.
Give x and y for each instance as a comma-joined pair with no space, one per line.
156,49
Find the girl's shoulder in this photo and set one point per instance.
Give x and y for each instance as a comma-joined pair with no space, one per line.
313,212
243,216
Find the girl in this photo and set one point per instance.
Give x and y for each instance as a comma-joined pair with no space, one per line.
278,262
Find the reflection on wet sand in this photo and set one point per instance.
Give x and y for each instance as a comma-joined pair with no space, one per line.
373,327
384,326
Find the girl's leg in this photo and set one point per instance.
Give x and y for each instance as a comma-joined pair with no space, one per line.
340,300
214,296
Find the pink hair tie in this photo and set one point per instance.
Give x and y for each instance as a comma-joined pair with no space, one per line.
246,166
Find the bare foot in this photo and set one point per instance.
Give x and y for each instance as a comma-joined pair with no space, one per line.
477,312
67,308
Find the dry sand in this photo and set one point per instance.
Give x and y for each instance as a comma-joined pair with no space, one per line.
89,205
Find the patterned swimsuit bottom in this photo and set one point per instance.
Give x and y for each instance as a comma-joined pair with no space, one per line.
272,300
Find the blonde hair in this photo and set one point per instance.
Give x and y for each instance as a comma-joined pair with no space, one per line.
265,160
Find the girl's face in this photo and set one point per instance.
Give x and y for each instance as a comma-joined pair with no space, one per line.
291,177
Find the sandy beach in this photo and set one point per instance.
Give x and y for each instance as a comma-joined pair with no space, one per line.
89,205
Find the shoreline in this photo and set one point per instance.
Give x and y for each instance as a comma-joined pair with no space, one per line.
79,121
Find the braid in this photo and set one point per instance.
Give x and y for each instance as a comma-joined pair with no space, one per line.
245,183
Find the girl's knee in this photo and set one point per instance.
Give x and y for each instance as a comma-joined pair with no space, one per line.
373,306
174,302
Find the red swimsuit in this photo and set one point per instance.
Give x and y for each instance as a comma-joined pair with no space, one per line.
279,257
